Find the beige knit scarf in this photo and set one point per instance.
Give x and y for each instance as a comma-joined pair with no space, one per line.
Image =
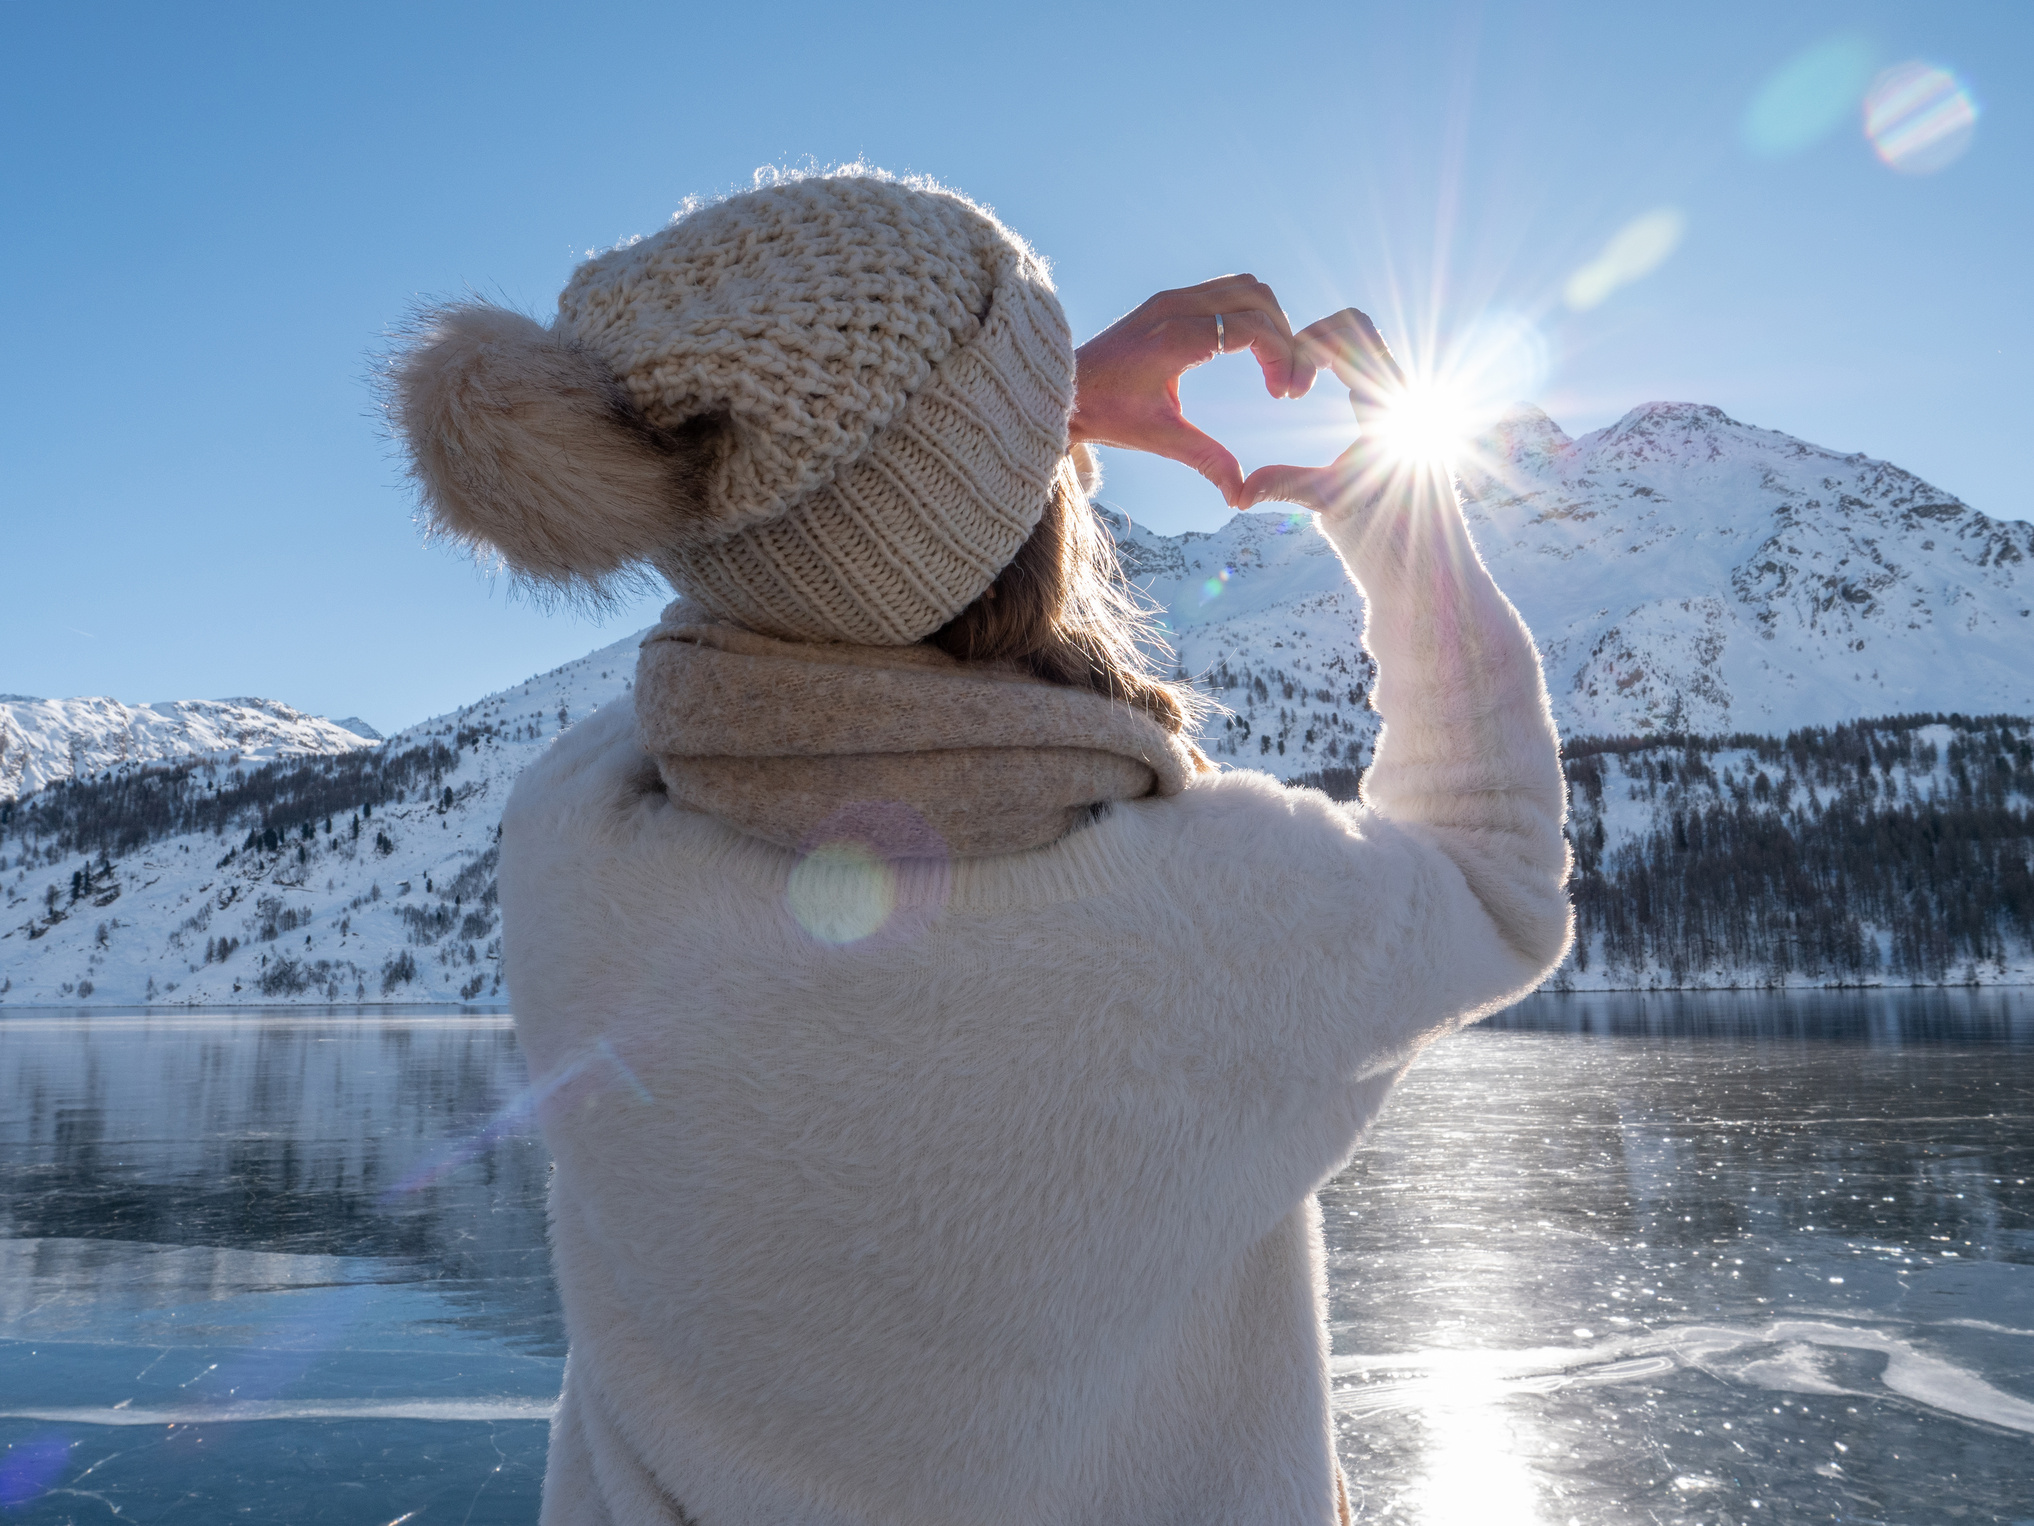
799,743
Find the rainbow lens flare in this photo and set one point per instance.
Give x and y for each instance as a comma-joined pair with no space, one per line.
1919,118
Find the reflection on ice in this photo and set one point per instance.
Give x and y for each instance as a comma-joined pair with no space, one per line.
1612,1259
1474,1475
1784,1356
1697,1258
208,1297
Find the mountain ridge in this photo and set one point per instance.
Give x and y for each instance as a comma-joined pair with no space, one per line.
268,891
1681,572
46,740
1789,565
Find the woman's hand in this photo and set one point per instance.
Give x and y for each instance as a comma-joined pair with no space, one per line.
1126,378
1348,343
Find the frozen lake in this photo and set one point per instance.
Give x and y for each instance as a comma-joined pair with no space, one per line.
1645,1259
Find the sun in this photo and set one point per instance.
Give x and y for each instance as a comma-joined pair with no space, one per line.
1458,384
1430,422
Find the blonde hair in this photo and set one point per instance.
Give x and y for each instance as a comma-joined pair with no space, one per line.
1063,610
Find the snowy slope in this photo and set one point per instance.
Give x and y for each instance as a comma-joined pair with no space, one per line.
1686,572
1262,615
43,740
1681,571
402,911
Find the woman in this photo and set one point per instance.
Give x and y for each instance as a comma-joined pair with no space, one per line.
938,1054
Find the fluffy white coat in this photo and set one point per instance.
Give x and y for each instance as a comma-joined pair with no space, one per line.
1004,1212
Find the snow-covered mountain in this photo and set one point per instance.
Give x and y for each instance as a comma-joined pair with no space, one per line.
1686,572
390,901
1683,572
44,740
1262,615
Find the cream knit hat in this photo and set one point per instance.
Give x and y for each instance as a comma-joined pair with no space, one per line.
827,409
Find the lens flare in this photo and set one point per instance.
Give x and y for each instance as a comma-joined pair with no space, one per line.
31,1468
1637,249
873,870
1919,118
841,892
1809,98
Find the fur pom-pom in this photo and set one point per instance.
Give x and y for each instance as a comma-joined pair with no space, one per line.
525,445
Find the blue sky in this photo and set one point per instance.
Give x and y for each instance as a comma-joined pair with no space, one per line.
215,213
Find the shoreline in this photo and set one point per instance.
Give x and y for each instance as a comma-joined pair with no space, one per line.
507,1010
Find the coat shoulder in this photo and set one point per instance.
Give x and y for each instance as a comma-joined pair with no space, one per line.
598,767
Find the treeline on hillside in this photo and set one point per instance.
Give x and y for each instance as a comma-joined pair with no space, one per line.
1825,754
1834,853
115,815
1323,716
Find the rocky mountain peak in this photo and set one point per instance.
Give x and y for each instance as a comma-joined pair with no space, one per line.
1656,431
1524,433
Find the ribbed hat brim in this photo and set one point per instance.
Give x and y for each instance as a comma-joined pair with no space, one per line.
911,532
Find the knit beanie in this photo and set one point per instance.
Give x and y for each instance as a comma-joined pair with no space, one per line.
827,409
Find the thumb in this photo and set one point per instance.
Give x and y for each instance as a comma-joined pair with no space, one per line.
1181,442
1285,484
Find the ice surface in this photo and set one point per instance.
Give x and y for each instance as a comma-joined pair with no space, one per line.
1627,1258
211,1298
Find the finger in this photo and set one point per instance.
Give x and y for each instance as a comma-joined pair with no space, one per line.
1252,296
1225,294
1181,442
1251,300
1204,300
1282,484
1216,295
1194,339
1250,313
1322,488
1349,343
1244,329
1286,374
1288,370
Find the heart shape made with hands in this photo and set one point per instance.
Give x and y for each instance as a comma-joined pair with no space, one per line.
1127,382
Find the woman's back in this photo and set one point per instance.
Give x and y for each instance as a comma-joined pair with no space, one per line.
938,1085
951,1190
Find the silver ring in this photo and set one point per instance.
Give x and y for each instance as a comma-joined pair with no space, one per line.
1221,336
